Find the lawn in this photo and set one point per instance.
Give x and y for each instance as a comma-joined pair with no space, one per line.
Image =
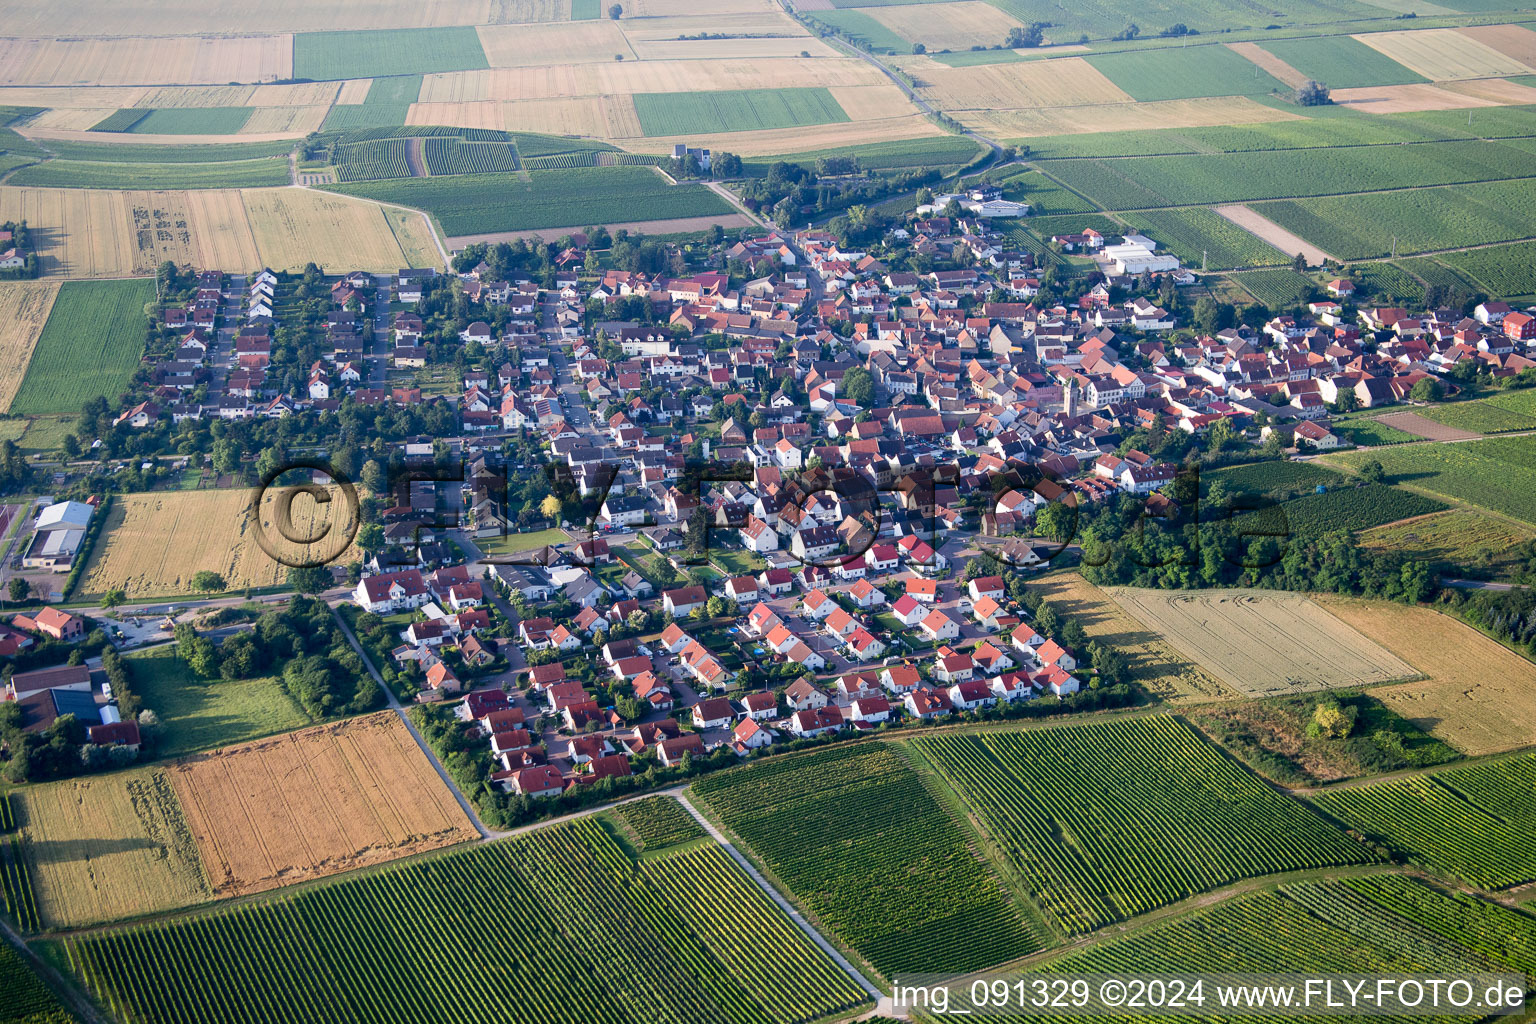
1498,473
513,543
89,347
1177,74
328,56
729,110
1341,62
470,204
737,562
201,714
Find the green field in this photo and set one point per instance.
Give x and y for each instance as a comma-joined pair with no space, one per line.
1512,410
156,153
861,28
1176,73
1341,62
557,924
943,151
1508,271
1459,542
1421,220
1386,283
549,199
1114,788
386,106
376,53
728,110
1103,19
903,887
1274,479
89,347
372,161
586,10
202,714
193,121
1278,289
1357,925
659,821
1202,179
100,174
27,999
1445,826
1344,508
454,156
1196,235
1498,473
1370,433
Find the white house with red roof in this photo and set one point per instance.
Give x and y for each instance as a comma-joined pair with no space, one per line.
866,595
968,695
817,605
815,721
908,611
389,592
938,626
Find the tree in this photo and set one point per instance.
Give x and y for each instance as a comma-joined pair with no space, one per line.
18,589
616,11
1025,38
919,48
370,538
113,597
859,387
1312,94
1427,390
1299,263
550,507
208,582
1371,471
375,479
314,580
1331,721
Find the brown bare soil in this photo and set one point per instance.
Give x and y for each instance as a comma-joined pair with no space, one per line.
1269,62
313,803
24,307
1257,224
1413,423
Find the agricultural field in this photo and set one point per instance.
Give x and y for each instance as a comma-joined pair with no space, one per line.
294,227
179,174
1204,238
1046,197
374,160
1431,824
89,347
1511,410
1344,508
1277,480
24,307
1368,432
548,199
108,847
27,999
907,891
658,822
862,27
947,26
1176,74
685,937
128,59
200,714
154,542
1498,473
1477,695
1068,82
455,156
1442,54
1341,62
700,113
191,121
1279,289
1505,787
1456,542
1354,925
1500,270
1263,642
1416,220
1113,787
1155,666
329,56
313,803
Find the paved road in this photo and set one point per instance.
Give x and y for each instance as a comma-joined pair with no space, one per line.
882,1001
1476,584
399,709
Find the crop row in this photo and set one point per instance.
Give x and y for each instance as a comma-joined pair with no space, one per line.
370,161
1278,289
1204,238
1274,478
1430,824
20,902
696,113
1346,508
1498,473
555,925
1504,270
177,174
854,834
1496,415
1113,820
561,161
1503,935
660,821
451,156
27,999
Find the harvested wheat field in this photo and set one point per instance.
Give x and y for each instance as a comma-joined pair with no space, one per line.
177,60
107,98
1413,423
763,22
1263,642
1405,99
183,17
1443,54
415,238
1514,41
153,542
1480,697
284,121
1497,91
24,307
713,49
1120,117
108,847
872,102
691,8
1068,82
300,94
295,226
315,802
947,26
1154,664
83,233
516,46
1269,62
772,142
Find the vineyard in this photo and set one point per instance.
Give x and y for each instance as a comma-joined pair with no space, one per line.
561,161
1115,789
1498,473
659,821
1204,238
452,156
853,833
1275,479
1503,270
1278,289
15,882
1505,788
1347,508
369,161
1513,410
1431,823
27,999
558,924
729,110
